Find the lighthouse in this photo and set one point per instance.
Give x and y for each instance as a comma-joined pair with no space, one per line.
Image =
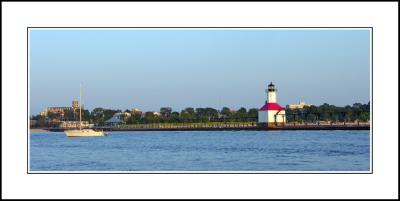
271,114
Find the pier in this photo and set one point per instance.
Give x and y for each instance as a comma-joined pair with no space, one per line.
223,127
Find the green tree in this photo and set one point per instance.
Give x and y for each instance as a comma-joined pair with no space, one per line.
165,111
252,114
211,113
40,121
190,110
85,115
175,117
134,118
348,113
149,117
242,114
69,115
109,113
186,117
364,116
52,115
226,113
100,115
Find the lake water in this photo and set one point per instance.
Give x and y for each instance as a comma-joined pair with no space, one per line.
202,151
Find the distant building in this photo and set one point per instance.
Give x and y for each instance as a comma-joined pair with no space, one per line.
60,110
300,105
271,114
136,111
75,104
127,114
157,114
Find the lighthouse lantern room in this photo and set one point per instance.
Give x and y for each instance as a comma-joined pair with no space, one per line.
271,114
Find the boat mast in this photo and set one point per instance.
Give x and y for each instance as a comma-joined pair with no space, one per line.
80,107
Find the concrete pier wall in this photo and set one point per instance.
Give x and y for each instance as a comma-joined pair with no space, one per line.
257,127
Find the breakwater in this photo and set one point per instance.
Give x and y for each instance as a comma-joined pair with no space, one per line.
222,128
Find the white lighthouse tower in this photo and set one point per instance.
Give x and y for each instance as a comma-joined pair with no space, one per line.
271,114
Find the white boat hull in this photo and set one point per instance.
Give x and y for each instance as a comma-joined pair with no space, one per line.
83,133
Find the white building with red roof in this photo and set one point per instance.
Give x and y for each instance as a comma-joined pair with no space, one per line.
271,114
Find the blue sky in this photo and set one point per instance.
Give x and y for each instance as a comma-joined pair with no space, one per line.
153,68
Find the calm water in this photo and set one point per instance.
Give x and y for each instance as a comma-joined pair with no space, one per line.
203,151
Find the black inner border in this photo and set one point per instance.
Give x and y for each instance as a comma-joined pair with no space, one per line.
189,172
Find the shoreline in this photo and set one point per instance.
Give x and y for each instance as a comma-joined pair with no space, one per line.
37,130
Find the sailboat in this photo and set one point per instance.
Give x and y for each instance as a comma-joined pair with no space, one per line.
82,132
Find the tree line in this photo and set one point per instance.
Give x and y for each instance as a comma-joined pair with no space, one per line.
324,112
192,115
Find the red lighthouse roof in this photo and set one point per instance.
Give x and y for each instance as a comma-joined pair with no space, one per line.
271,106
